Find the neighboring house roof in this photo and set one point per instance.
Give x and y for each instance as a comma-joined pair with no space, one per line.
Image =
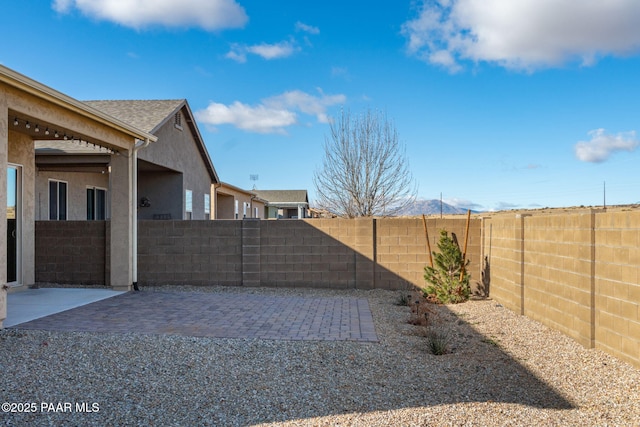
283,197
151,115
225,186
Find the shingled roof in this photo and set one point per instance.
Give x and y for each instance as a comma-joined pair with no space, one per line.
283,196
151,115
146,115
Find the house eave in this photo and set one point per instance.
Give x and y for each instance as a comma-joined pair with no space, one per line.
24,83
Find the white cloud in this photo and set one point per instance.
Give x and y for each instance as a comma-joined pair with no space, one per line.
237,53
272,115
273,51
267,51
462,203
308,104
523,34
602,146
503,206
207,14
307,28
260,119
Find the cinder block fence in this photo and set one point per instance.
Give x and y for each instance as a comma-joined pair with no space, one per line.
576,271
336,253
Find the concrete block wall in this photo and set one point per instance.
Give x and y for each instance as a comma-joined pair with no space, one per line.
335,253
558,260
617,284
71,252
190,252
308,253
402,254
575,271
503,247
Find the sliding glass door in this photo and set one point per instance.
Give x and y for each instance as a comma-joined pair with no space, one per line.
13,224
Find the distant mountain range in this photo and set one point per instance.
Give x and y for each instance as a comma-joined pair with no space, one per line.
431,207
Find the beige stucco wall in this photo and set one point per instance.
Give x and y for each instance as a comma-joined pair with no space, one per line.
226,196
29,101
4,151
77,184
21,152
176,149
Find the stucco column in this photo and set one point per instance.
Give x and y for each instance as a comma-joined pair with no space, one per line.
121,261
4,153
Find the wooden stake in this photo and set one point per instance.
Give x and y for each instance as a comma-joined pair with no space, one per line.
426,234
466,240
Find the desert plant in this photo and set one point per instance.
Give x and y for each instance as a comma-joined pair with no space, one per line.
422,312
403,300
448,281
437,341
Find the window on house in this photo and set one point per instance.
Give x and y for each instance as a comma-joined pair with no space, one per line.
236,208
57,200
189,204
177,120
255,214
207,206
96,203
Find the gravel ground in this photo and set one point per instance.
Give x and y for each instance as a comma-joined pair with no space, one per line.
502,369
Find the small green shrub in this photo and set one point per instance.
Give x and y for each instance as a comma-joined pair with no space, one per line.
444,284
437,341
403,300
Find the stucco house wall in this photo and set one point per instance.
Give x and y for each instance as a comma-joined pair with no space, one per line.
163,192
176,150
77,184
176,163
28,109
21,153
228,197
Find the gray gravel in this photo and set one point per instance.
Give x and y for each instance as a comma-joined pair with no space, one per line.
503,369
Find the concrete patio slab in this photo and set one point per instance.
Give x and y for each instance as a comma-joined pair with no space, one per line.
31,304
219,315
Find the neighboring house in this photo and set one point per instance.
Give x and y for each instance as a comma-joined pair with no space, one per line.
175,174
321,213
285,203
235,203
31,111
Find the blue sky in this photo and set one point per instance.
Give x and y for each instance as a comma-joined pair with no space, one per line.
519,104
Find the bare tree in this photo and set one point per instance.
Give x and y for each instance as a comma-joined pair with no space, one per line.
365,171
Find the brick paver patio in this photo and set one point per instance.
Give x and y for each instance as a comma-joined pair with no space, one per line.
220,315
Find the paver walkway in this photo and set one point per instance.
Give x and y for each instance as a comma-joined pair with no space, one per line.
220,315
